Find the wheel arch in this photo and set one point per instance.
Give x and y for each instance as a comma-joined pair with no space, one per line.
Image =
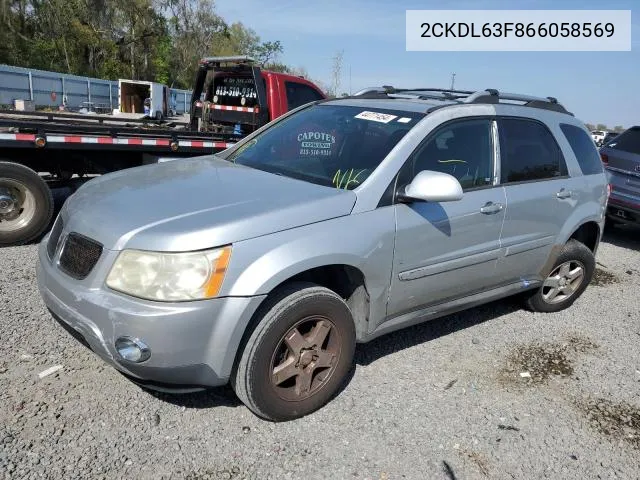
345,279
589,234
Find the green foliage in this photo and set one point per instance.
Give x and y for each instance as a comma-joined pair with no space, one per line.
160,40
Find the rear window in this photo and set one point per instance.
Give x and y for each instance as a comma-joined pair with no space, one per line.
583,148
628,141
299,94
334,145
233,90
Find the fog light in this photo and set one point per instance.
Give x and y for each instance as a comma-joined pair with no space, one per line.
132,349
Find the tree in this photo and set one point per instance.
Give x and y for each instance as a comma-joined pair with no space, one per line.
268,51
159,40
195,29
618,129
241,40
336,73
601,126
590,126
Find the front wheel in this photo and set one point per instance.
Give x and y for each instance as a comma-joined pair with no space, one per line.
298,356
568,279
26,204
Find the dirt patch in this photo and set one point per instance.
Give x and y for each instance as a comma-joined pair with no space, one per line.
536,363
602,278
220,473
619,421
479,461
581,344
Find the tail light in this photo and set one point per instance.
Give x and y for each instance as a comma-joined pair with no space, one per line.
604,158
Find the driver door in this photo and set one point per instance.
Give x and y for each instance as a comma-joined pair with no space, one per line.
447,250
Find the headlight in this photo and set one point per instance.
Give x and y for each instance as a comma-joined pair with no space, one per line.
169,277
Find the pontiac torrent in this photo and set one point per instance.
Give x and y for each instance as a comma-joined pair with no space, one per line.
262,266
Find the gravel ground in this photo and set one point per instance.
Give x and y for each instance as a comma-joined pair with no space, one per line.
444,400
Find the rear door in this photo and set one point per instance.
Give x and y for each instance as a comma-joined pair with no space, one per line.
622,161
541,196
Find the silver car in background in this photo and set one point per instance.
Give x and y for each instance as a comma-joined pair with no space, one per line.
621,157
344,220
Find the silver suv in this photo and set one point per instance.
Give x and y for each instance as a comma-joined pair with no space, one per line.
343,220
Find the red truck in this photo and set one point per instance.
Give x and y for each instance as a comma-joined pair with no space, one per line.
41,152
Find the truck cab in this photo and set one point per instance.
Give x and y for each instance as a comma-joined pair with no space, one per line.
232,95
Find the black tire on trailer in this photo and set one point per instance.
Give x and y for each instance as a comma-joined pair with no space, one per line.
26,204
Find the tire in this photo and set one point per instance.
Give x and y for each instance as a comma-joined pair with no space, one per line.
574,255
28,204
284,398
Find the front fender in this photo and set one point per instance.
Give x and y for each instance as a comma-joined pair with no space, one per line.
364,241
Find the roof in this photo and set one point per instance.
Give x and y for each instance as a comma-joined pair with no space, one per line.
426,99
407,105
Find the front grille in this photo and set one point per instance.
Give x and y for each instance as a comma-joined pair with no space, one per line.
55,237
79,255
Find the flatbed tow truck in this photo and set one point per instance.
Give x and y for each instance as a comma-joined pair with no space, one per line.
43,151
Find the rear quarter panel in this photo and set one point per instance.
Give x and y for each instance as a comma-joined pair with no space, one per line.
592,189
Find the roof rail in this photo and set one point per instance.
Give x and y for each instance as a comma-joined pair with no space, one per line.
489,95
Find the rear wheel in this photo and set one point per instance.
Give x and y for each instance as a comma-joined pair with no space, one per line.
568,279
298,356
26,204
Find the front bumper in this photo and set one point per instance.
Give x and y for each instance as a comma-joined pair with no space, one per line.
193,344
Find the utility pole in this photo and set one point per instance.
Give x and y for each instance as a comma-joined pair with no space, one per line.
453,79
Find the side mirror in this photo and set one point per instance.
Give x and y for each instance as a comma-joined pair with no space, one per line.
430,186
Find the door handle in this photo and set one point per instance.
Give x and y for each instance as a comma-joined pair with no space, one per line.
491,208
564,193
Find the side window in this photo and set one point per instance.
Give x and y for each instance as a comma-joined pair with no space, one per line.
462,148
528,152
583,148
299,94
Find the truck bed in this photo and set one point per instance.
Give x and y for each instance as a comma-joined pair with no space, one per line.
70,130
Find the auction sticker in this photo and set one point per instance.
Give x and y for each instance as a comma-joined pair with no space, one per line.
376,116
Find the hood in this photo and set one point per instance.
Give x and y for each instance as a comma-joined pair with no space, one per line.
196,203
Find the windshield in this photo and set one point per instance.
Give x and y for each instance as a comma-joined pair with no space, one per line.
332,145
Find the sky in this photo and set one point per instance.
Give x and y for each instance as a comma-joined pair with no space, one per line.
598,87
